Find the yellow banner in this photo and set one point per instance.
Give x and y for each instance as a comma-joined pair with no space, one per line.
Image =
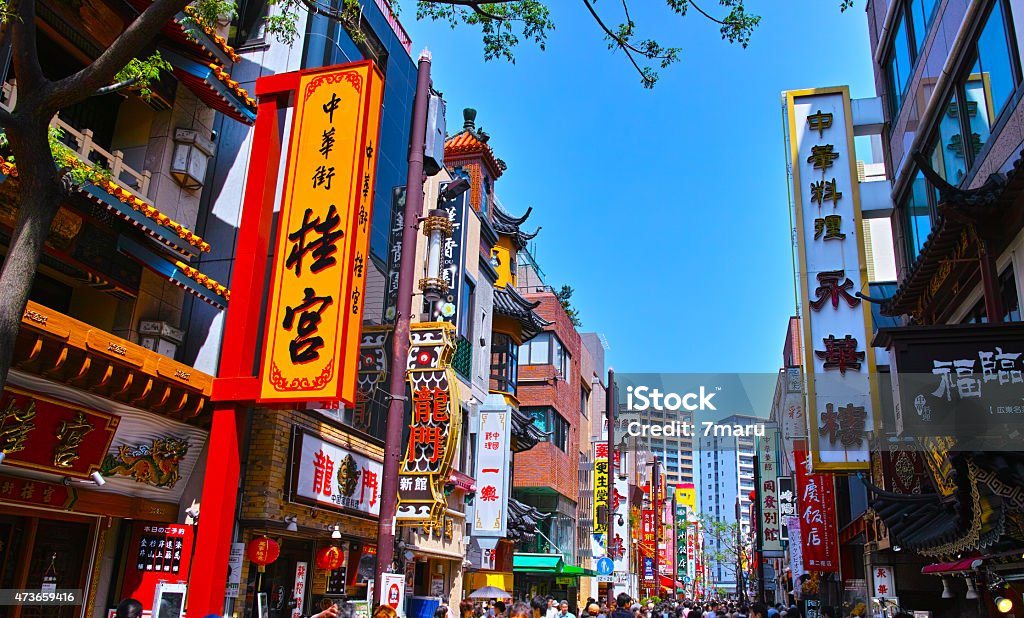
316,298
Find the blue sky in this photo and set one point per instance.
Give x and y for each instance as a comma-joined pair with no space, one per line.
665,209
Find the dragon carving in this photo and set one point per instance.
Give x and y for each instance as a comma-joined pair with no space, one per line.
155,464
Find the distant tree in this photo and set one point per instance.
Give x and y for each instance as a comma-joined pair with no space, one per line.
563,296
725,545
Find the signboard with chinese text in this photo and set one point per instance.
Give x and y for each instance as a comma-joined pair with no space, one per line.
316,295
768,462
601,488
787,503
648,541
453,260
842,399
796,559
19,490
818,530
158,552
620,506
882,582
49,435
235,559
394,253
434,430
492,468
691,549
331,476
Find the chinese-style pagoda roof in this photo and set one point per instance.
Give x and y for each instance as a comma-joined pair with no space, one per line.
471,141
522,521
525,432
508,225
511,304
960,210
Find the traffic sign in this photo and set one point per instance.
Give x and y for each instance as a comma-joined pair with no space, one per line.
605,566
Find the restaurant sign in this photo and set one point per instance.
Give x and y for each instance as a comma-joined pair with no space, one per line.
490,517
329,476
434,430
602,488
841,394
49,435
818,529
771,524
316,297
963,381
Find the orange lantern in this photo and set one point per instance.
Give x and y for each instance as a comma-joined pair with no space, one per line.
330,558
263,551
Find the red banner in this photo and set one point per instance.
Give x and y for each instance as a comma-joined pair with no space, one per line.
39,433
158,552
647,536
816,505
36,493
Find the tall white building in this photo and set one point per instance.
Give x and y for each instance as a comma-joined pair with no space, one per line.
675,453
725,475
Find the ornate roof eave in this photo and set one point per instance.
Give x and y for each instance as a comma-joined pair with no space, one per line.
960,211
523,520
511,304
466,144
524,431
507,225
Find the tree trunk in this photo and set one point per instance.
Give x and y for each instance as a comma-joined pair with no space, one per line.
38,198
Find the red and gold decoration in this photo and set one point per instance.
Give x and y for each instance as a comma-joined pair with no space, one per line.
262,551
330,558
158,552
316,297
18,490
39,433
818,530
434,432
156,463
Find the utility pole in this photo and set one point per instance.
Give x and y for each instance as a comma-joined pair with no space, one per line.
400,341
609,402
741,590
759,548
655,485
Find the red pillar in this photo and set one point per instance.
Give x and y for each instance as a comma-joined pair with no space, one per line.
235,388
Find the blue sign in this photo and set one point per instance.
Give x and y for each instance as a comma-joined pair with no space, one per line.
648,568
605,566
686,579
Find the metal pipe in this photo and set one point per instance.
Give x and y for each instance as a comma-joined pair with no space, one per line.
400,341
609,402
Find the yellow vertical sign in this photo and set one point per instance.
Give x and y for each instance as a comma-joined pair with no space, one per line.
316,298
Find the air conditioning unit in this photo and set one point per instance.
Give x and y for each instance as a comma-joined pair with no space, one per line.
160,337
433,147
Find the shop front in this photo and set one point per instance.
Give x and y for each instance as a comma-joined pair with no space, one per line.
308,515
94,464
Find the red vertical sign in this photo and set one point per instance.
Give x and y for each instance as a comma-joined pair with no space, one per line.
816,506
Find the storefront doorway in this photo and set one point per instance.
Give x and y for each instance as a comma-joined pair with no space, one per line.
38,551
278,581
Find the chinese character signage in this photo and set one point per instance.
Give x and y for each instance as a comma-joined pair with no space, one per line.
768,461
316,297
490,518
453,260
882,582
686,496
796,559
620,506
434,427
691,549
964,381
787,503
816,503
366,415
158,552
648,570
331,476
39,433
18,490
841,394
394,253
601,488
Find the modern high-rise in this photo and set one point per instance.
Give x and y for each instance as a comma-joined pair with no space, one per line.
725,478
674,452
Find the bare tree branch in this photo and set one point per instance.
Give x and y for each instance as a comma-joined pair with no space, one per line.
121,85
628,49
101,71
705,14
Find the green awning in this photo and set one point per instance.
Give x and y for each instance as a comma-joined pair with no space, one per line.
537,563
571,569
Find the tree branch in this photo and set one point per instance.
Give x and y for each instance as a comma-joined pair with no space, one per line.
705,14
121,85
622,45
25,54
101,71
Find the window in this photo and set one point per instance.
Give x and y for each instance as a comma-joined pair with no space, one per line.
916,220
504,364
546,349
899,68
467,305
549,421
584,402
921,13
994,67
1008,298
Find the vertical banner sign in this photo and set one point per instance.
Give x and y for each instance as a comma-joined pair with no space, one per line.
680,536
787,504
818,531
620,505
601,488
316,297
453,261
492,469
648,540
841,389
373,371
771,532
882,582
796,559
434,430
394,253
691,549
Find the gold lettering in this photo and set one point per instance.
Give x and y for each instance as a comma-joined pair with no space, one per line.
70,436
15,425
35,316
183,375
120,350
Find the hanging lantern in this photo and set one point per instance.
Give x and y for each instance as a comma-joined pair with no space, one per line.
330,558
263,551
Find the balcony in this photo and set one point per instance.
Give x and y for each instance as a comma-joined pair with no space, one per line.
88,152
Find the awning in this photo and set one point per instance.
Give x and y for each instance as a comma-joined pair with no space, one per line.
178,273
480,579
575,571
211,85
940,568
537,563
668,584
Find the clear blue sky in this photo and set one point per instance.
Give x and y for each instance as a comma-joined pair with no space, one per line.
665,209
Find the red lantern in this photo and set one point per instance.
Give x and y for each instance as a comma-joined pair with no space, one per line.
330,558
753,495
263,551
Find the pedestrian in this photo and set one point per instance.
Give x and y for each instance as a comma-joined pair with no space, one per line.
758,610
519,610
128,608
552,608
539,606
383,611
499,608
563,610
